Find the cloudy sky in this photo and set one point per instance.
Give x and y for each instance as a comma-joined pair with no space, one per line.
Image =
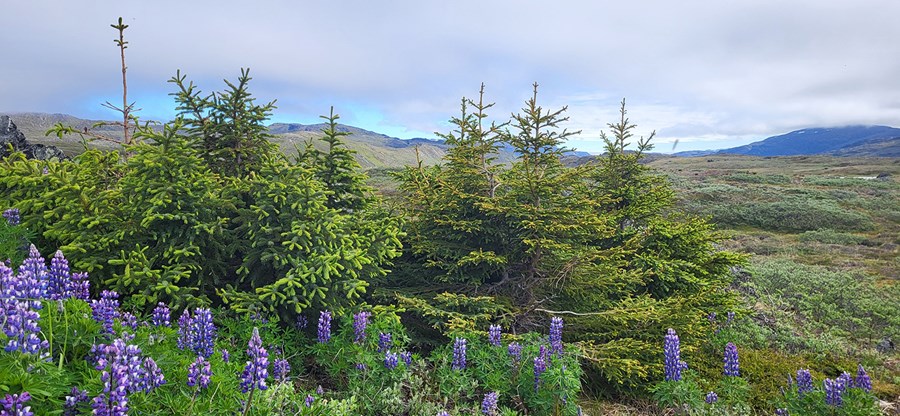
709,74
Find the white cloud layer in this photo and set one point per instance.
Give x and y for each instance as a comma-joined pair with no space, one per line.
708,74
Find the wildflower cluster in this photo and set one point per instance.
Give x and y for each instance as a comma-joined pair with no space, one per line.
19,308
123,371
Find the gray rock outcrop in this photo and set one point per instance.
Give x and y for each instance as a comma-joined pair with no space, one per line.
11,139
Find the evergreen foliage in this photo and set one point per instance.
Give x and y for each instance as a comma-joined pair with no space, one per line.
205,211
600,242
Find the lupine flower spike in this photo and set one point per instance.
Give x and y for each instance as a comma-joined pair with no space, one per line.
14,405
489,404
494,335
672,351
459,354
384,342
712,397
862,380
360,321
257,369
731,361
161,315
556,327
324,333
540,366
202,336
199,373
804,381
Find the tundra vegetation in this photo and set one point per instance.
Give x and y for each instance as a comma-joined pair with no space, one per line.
197,269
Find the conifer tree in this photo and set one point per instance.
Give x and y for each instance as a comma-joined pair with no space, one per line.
600,243
227,128
337,168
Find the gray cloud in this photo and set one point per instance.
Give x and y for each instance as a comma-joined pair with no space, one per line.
695,71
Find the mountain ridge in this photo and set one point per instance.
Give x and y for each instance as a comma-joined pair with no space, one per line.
854,140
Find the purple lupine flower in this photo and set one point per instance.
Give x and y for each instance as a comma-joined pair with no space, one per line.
148,376
14,405
390,360
833,392
161,315
862,380
123,372
494,335
711,317
199,373
203,332
21,327
384,342
489,404
280,369
129,320
184,330
845,382
361,367
540,365
443,413
32,278
556,327
514,350
804,381
324,332
781,412
459,354
712,397
76,397
12,216
319,390
58,278
301,322
79,286
731,361
730,317
226,357
360,321
406,356
257,370
106,310
672,350
309,400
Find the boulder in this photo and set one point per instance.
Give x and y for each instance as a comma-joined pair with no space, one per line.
13,140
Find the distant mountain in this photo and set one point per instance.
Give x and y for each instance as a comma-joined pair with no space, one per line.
839,141
373,150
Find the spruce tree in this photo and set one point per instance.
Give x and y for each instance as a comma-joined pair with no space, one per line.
337,168
227,128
